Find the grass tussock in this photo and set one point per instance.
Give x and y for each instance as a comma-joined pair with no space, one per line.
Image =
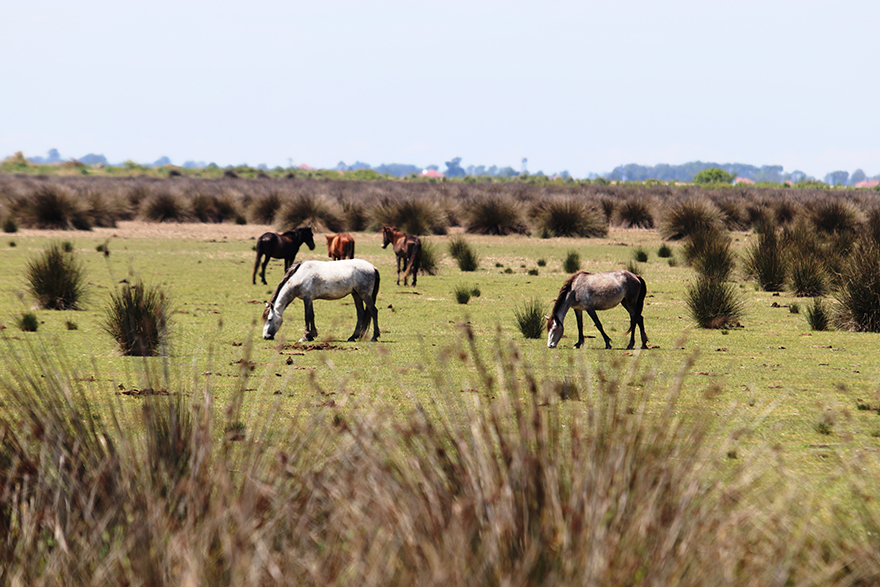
571,217
530,318
690,216
464,254
57,278
494,214
318,211
714,304
53,206
410,214
137,319
858,298
635,213
165,206
766,260
500,488
818,315
572,262
711,254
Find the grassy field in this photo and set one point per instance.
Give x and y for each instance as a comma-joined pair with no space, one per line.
805,387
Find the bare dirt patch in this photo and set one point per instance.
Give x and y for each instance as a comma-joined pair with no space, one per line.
180,230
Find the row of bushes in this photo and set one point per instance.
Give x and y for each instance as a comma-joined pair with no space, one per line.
507,490
417,208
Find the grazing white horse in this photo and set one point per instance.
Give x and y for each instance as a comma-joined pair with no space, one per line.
598,291
326,280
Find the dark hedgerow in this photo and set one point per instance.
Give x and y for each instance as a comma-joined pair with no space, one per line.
530,318
57,279
137,319
714,304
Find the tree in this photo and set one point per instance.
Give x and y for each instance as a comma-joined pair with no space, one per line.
837,178
713,175
454,169
857,176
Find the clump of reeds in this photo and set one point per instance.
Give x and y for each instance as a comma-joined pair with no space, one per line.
714,303
137,319
529,316
571,262
164,206
571,217
306,209
412,215
818,315
262,209
688,217
635,213
462,293
710,253
53,206
858,298
494,214
464,254
57,278
765,260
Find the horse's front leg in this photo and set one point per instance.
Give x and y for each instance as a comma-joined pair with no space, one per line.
598,324
579,316
311,331
398,270
263,270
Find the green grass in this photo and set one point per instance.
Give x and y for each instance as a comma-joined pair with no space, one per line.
774,363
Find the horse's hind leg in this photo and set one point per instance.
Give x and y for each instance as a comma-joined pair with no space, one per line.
373,313
263,271
257,266
598,324
641,323
360,327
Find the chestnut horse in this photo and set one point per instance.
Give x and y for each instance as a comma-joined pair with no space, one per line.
340,246
599,291
281,246
407,248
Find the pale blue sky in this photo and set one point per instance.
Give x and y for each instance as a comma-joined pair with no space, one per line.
581,86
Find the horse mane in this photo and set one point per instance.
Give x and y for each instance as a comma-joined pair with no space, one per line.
284,280
563,291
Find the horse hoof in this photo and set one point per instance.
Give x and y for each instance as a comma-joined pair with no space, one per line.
352,339
374,339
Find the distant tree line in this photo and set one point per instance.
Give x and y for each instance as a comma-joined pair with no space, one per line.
766,173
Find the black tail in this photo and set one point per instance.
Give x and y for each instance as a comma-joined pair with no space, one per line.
376,286
415,259
349,246
639,304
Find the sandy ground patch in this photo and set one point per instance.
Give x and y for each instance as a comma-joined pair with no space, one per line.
182,230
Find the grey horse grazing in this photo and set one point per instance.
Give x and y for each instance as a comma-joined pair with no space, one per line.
326,280
599,291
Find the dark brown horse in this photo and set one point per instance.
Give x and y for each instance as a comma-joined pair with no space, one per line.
281,246
407,248
340,246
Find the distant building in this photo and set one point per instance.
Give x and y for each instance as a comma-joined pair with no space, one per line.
868,183
743,181
432,173
305,167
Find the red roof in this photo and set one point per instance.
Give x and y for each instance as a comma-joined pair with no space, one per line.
868,183
744,180
431,173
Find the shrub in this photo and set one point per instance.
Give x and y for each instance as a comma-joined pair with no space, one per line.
542,262
532,271
464,254
714,304
462,293
319,212
818,316
530,318
164,206
858,299
572,262
633,267
137,319
428,264
635,213
687,217
572,217
207,207
765,259
10,225
664,252
734,215
710,254
356,215
494,214
57,279
713,175
475,291
28,322
71,325
640,255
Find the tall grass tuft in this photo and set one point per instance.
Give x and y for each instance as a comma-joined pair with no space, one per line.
429,262
57,279
835,215
529,316
462,293
53,206
572,217
635,213
714,304
571,262
315,210
766,260
464,254
412,215
164,206
137,319
858,299
262,209
28,322
711,254
818,315
688,217
494,214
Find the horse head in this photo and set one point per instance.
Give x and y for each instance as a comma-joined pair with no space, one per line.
554,332
273,321
388,235
308,237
